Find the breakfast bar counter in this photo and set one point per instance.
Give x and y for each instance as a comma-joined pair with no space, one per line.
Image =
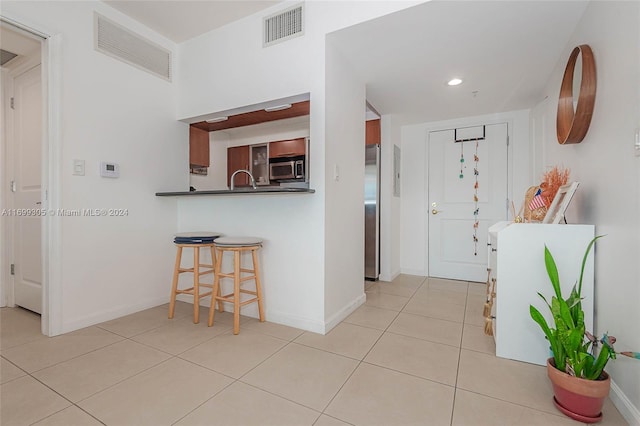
240,191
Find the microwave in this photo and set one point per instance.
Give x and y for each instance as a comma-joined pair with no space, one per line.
290,169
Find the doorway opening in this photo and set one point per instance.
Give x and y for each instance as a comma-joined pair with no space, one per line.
23,148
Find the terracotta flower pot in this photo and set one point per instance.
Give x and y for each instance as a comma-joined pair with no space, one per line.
578,398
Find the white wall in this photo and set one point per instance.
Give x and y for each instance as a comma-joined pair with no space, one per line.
344,183
289,262
389,204
414,182
228,68
110,111
609,176
4,240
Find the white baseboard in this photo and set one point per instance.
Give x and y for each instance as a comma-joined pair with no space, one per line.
307,324
344,312
392,276
418,272
121,311
630,413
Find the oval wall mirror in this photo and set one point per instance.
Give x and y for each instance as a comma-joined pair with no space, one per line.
577,96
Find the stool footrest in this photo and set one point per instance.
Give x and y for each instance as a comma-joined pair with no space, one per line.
242,279
202,272
230,299
190,291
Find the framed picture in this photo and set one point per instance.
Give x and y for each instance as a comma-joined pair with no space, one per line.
561,201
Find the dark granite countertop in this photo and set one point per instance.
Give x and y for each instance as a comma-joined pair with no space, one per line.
240,191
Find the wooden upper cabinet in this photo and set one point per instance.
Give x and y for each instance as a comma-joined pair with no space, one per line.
372,132
288,148
297,109
198,147
237,159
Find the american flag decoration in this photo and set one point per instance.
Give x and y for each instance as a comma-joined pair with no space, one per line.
537,201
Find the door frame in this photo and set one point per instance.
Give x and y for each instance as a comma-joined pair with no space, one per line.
507,118
51,243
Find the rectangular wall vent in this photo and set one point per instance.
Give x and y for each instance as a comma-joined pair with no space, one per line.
118,42
283,26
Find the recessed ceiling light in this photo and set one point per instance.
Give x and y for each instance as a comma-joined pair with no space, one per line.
454,82
217,119
278,108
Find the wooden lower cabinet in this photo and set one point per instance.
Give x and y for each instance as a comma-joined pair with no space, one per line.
238,158
198,147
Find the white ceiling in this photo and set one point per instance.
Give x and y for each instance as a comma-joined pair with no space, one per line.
180,20
503,50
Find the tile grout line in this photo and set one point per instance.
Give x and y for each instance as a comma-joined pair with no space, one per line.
360,362
73,404
466,317
455,387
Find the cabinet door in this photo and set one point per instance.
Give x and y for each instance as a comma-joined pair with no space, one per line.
238,158
198,147
290,148
372,132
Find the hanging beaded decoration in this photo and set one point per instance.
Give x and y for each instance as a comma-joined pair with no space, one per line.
461,159
476,210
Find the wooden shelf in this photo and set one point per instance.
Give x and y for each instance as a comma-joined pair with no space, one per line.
255,117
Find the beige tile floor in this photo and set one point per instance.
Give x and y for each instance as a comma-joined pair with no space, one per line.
413,354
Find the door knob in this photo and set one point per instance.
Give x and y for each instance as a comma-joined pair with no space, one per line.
434,211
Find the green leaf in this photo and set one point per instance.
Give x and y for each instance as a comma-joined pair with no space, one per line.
586,365
584,261
601,362
552,271
565,313
551,336
557,316
545,300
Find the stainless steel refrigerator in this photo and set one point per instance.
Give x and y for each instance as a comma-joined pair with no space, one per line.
372,212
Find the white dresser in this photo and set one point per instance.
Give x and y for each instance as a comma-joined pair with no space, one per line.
517,268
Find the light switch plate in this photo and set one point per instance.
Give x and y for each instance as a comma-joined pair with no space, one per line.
78,167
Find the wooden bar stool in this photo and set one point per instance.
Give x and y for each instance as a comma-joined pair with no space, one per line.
196,241
237,246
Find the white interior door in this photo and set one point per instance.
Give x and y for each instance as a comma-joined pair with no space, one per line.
26,185
458,223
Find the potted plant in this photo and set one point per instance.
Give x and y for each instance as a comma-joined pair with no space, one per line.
580,383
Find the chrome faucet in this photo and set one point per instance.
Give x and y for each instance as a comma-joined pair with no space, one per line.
253,181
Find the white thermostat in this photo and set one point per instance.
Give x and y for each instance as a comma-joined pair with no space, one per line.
110,170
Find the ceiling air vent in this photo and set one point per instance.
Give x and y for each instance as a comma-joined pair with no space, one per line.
283,25
120,43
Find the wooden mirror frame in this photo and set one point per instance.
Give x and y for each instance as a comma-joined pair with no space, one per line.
572,125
